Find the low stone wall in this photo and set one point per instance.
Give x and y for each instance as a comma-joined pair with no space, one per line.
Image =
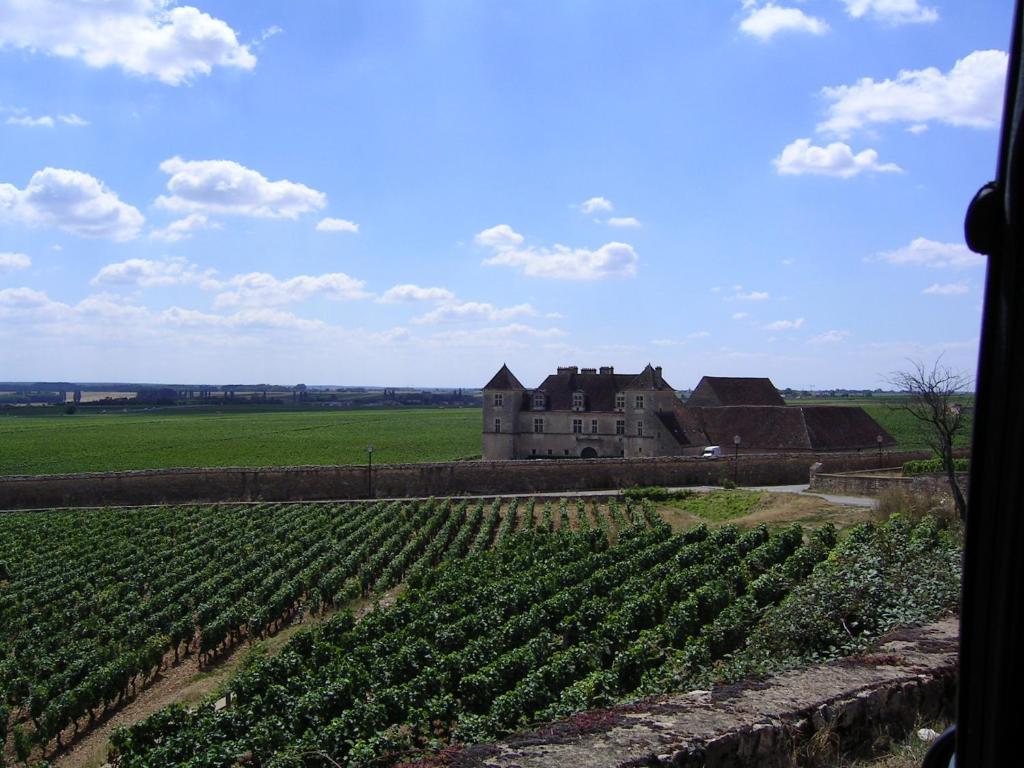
874,484
807,717
169,486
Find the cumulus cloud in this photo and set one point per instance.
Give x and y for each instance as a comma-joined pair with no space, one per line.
260,289
73,201
969,94
226,187
182,229
922,252
147,273
514,334
596,205
143,37
740,315
751,295
474,310
769,20
837,159
408,293
9,262
785,325
623,221
337,225
829,337
558,261
892,11
946,289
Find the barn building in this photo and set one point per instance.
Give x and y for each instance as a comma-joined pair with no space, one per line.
598,413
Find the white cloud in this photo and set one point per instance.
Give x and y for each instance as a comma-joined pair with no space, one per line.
473,310
73,201
785,325
623,221
182,229
142,37
12,261
259,289
917,128
837,159
337,225
946,289
500,237
224,186
596,205
751,295
698,335
408,293
923,252
146,273
892,11
22,298
769,20
558,261
31,122
740,315
514,334
970,94
46,121
829,337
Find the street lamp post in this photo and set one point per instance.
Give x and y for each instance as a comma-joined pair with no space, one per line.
878,439
736,460
369,471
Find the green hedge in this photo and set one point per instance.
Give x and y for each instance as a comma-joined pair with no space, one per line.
927,466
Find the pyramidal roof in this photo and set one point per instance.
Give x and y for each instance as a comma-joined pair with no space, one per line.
648,378
504,379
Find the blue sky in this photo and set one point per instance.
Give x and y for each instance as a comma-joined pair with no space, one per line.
411,193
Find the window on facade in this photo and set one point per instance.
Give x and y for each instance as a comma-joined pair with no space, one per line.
538,425
577,400
620,402
639,429
593,426
639,402
620,427
497,425
538,400
499,399
577,426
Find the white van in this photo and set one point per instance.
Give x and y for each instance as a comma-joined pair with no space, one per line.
712,452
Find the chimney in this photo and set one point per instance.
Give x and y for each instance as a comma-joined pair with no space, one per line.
568,369
607,370
588,370
657,370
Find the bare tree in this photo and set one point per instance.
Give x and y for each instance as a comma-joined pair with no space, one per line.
933,399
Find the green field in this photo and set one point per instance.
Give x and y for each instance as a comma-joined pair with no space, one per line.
95,442
53,442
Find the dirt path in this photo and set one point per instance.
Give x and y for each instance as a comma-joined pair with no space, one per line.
778,509
186,684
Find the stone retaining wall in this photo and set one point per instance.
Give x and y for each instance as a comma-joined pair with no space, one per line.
806,717
172,486
874,484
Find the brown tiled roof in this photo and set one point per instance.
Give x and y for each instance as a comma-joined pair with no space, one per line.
824,428
682,425
831,427
599,389
759,426
732,390
504,379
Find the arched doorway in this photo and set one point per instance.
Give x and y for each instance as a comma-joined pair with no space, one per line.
588,453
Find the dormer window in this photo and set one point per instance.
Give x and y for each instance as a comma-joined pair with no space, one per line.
499,399
620,402
577,401
538,400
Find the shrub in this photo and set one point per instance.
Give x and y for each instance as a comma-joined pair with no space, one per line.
913,506
655,493
930,466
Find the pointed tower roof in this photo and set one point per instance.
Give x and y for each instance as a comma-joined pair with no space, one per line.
649,378
504,379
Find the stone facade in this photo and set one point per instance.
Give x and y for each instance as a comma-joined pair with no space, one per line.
586,414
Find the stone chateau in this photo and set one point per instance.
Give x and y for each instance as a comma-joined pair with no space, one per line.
594,413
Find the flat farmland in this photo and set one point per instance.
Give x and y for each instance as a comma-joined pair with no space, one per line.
87,442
